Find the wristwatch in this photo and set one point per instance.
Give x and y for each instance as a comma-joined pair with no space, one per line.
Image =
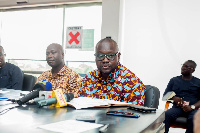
192,107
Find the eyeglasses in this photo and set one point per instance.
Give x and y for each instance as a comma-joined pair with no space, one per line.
101,57
187,67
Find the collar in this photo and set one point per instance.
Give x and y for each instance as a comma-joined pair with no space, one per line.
4,65
62,71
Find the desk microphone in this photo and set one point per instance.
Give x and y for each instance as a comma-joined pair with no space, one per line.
42,85
58,99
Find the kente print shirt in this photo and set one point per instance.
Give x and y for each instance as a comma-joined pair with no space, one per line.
66,79
121,85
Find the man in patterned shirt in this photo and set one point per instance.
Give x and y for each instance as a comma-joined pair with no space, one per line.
60,76
112,80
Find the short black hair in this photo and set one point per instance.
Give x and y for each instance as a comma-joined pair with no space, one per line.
191,61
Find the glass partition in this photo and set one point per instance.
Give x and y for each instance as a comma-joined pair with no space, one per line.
26,33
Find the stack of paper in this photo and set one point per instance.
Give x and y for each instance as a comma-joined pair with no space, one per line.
87,102
70,126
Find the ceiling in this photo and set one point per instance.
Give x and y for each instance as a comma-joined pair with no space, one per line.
9,4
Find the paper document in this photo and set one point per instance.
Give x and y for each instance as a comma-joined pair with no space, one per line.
70,126
87,102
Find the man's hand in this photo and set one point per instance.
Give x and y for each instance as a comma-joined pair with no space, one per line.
179,101
187,108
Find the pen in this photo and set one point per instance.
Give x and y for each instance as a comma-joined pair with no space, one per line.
104,128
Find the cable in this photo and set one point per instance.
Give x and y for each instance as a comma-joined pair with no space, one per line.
8,109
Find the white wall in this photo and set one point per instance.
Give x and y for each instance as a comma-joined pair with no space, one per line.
110,18
157,37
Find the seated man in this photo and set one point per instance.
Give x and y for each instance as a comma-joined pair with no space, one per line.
112,80
60,76
11,76
187,98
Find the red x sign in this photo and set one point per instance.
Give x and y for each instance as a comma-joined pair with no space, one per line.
74,38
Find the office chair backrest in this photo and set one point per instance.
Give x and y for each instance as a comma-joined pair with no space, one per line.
28,82
152,95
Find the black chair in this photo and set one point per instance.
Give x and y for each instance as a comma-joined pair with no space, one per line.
152,95
28,82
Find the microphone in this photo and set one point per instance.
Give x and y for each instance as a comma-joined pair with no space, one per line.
42,85
58,99
45,84
69,96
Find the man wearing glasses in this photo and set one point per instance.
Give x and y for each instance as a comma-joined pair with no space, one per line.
111,80
187,98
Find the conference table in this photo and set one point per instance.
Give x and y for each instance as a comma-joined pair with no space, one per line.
27,118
